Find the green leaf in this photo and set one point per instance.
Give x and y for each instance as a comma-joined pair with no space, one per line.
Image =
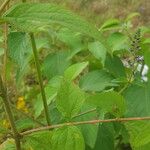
71,39
51,92
146,41
56,116
96,80
55,64
108,102
98,50
24,123
139,132
68,138
109,24
73,71
38,141
89,131
115,66
138,100
35,16
144,147
69,99
19,47
20,52
118,41
42,43
105,138
132,15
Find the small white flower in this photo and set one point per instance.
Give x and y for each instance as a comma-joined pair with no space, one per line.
144,72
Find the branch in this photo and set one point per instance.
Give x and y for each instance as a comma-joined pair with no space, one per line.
84,122
4,95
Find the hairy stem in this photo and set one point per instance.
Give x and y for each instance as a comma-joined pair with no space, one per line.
40,78
84,122
4,96
6,48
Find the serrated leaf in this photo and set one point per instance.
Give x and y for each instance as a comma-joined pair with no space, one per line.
138,100
55,64
96,80
108,102
19,47
34,16
38,141
98,50
69,99
20,51
139,132
73,71
68,138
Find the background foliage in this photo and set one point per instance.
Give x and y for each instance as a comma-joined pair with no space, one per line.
89,72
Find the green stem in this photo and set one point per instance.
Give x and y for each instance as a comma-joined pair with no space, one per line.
40,77
4,96
84,113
